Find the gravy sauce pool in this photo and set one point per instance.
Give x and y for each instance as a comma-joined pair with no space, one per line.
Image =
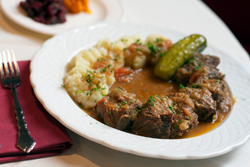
144,85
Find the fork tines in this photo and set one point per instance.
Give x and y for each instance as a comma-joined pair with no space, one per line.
8,64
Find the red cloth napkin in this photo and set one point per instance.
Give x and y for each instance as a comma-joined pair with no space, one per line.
50,136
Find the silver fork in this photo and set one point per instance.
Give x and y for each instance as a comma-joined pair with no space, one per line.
10,76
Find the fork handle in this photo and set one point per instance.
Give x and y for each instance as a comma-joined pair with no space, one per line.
25,142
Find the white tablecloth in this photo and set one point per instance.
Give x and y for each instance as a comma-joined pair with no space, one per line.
191,16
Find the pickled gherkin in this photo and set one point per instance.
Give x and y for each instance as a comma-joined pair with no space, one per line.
178,54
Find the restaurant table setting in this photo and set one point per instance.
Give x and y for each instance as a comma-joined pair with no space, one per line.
65,135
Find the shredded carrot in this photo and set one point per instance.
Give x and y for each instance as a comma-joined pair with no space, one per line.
196,75
187,113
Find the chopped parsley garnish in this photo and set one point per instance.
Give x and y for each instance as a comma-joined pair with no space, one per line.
179,122
137,41
151,101
170,107
198,66
181,86
158,39
118,107
89,71
161,54
152,48
217,81
192,59
82,106
160,98
124,102
119,89
138,49
193,85
202,71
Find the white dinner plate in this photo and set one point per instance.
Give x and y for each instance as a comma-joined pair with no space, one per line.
102,11
48,68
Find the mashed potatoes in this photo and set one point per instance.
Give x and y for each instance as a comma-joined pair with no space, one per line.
91,72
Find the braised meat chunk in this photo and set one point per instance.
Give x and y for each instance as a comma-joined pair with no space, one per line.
203,66
220,94
119,108
155,119
212,93
166,117
205,106
185,118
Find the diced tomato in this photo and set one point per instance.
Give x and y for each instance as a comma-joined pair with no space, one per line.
168,43
123,71
104,100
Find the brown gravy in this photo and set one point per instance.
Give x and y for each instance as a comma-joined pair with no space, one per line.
144,85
